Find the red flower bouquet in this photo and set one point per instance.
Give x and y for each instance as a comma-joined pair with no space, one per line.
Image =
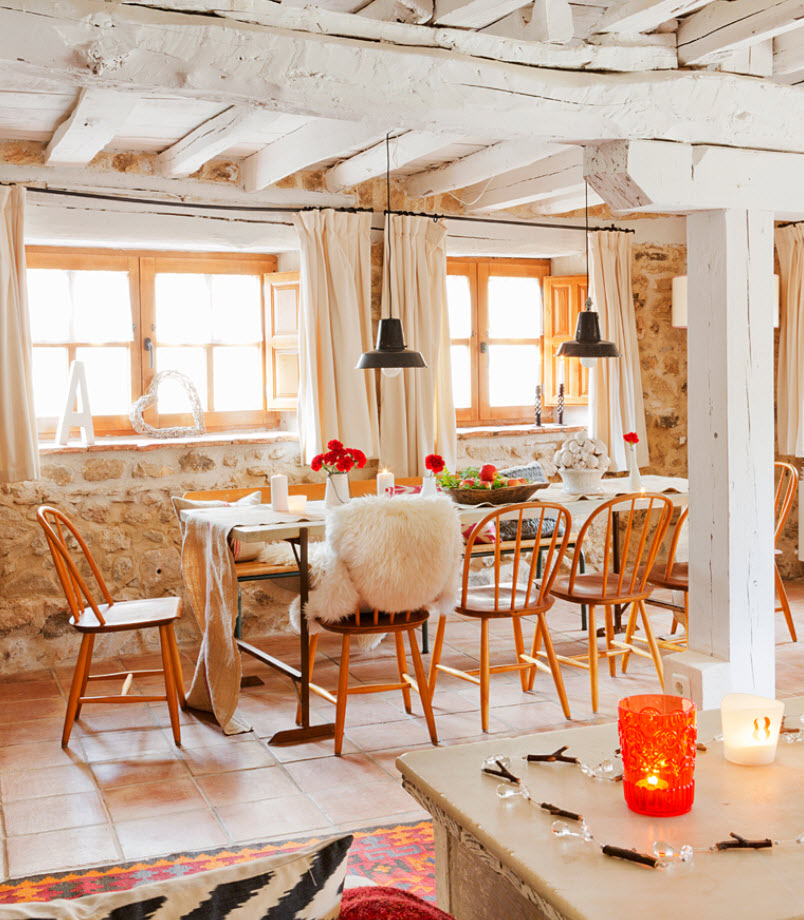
631,437
434,463
338,459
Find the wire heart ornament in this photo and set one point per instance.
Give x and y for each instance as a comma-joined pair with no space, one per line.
151,398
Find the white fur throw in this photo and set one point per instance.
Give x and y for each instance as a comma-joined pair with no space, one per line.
393,554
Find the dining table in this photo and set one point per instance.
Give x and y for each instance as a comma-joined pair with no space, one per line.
312,523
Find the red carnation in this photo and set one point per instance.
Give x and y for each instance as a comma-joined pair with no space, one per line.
631,438
334,445
316,463
435,463
338,459
359,457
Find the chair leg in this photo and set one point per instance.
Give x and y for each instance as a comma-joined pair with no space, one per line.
485,665
654,648
629,633
785,604
610,640
402,667
421,680
593,656
519,645
170,683
534,651
343,694
176,659
85,675
313,647
555,668
84,654
582,568
435,657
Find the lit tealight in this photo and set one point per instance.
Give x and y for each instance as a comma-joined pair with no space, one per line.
297,504
653,782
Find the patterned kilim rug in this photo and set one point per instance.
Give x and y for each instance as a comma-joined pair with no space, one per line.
397,855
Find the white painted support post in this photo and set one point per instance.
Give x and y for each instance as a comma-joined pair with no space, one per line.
731,438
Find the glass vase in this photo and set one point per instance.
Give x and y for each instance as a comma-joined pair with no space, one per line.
337,491
429,486
634,479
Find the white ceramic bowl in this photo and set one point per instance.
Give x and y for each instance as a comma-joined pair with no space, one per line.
584,481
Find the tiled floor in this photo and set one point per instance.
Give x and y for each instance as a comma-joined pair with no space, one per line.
123,791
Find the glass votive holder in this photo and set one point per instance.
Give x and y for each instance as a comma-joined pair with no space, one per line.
750,728
297,504
657,742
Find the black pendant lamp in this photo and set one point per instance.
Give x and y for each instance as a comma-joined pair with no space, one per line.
390,355
588,344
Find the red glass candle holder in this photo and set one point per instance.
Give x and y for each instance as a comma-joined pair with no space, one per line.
657,740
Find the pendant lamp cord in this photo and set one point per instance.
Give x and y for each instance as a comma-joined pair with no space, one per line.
388,240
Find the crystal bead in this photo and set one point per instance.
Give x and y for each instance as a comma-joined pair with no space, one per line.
507,791
561,829
686,853
494,762
718,737
800,839
663,850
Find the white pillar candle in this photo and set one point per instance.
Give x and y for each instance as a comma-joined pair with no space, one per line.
750,728
297,504
279,492
560,370
385,483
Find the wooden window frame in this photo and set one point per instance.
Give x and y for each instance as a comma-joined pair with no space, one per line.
143,265
576,377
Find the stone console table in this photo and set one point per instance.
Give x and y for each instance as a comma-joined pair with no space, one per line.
498,860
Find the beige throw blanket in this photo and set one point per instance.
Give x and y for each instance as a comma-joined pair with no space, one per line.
210,578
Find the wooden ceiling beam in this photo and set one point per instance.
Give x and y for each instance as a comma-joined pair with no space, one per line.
95,120
788,52
472,14
564,204
628,16
554,175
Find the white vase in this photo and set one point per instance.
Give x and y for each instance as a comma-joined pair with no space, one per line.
634,479
337,491
429,486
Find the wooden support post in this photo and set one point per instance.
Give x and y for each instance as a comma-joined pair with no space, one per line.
731,438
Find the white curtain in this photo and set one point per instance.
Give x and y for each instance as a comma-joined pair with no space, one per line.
417,409
616,405
790,373
335,400
19,449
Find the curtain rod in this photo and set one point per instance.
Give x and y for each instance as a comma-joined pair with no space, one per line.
67,193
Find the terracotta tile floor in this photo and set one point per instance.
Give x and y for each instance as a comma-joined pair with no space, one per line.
122,790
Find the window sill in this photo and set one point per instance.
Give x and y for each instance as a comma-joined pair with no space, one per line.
210,439
503,431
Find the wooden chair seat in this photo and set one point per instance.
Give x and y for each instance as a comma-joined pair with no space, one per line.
596,588
677,579
150,611
484,601
384,622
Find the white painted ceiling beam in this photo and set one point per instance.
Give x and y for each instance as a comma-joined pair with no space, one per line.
728,24
662,176
211,138
95,120
370,163
540,21
629,16
222,61
473,14
313,142
554,175
788,52
563,204
756,60
412,11
469,238
477,167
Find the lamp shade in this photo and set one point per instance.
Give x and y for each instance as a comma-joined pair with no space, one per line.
390,350
680,312
588,342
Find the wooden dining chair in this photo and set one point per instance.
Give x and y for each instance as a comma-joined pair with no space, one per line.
672,576
91,618
509,597
631,539
783,498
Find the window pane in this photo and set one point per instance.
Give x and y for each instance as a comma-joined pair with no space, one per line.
183,309
101,307
108,379
459,306
49,380
190,361
515,308
236,308
237,378
461,377
49,304
512,374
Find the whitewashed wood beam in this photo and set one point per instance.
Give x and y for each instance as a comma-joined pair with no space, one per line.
756,60
216,59
411,11
370,163
210,139
563,204
313,142
788,52
547,178
540,21
629,16
467,238
728,24
477,167
663,176
95,120
473,14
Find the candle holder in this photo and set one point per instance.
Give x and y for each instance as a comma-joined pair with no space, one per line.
560,405
750,728
657,740
538,413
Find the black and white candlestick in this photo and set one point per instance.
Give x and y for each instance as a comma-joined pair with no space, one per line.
538,414
560,405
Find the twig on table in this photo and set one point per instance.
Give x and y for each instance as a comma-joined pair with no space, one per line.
503,772
700,747
740,843
555,757
630,855
560,812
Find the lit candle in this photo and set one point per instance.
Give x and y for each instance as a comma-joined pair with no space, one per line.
297,504
750,728
385,483
279,492
653,782
560,370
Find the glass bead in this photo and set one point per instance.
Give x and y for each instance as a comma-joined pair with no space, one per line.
561,829
494,762
718,737
686,853
800,839
663,850
507,791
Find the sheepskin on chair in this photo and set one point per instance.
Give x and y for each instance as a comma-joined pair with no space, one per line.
393,554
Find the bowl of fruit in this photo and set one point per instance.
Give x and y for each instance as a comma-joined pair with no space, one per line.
473,486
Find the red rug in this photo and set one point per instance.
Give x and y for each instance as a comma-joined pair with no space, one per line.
400,856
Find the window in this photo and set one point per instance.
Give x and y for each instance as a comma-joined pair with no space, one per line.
215,318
